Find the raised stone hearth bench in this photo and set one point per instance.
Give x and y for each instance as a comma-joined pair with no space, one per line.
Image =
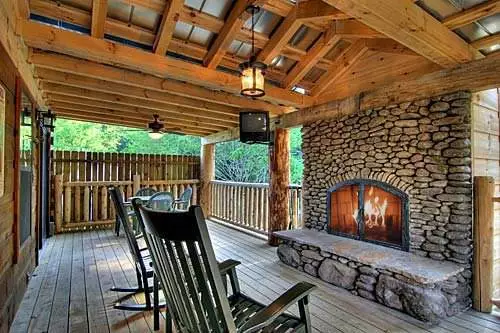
424,288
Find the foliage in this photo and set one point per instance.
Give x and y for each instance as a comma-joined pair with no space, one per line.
235,161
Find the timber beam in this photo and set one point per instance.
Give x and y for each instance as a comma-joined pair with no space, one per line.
121,121
70,43
167,26
474,76
73,80
472,14
95,70
410,25
99,13
145,117
86,94
165,114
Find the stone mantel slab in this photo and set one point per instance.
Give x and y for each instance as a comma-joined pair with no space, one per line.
422,270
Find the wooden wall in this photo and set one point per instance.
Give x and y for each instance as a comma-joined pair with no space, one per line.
486,155
15,263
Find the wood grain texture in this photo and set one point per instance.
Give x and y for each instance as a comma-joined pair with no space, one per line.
85,47
279,174
405,22
262,276
207,169
484,188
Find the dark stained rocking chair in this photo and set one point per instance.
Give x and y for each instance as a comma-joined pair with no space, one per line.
184,260
138,255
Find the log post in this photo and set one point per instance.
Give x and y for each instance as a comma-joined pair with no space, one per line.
484,190
137,183
58,187
279,167
207,174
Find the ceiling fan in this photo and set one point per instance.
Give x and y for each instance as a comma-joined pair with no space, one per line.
156,129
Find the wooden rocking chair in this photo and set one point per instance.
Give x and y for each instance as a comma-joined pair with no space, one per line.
190,277
140,257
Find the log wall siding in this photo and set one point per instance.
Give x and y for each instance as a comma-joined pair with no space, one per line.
486,156
13,273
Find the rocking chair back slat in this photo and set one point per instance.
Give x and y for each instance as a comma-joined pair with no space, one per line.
121,211
188,271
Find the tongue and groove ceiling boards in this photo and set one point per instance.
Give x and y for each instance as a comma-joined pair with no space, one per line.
120,61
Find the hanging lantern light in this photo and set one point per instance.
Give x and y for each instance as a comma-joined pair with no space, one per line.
253,71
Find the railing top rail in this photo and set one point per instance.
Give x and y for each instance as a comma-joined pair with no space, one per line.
130,182
256,185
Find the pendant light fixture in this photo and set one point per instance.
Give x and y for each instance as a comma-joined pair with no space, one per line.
252,71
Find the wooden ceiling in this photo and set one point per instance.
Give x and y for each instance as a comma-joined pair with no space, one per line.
121,61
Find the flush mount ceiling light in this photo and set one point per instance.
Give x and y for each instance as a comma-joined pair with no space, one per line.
252,71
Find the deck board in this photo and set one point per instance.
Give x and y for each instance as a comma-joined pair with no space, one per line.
70,291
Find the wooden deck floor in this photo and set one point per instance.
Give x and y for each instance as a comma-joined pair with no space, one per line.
70,291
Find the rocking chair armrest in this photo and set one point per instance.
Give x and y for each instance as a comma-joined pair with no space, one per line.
228,265
268,314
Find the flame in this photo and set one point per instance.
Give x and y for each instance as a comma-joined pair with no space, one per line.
374,211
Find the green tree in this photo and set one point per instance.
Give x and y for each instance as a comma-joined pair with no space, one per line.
235,161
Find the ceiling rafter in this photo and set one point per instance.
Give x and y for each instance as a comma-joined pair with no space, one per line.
54,39
118,75
280,37
56,97
472,14
318,51
122,121
167,26
83,93
312,10
485,42
340,66
48,75
410,25
99,13
233,24
139,114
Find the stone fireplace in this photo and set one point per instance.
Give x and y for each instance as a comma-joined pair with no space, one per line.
387,200
370,211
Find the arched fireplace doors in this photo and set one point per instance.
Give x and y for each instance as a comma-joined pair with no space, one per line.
371,211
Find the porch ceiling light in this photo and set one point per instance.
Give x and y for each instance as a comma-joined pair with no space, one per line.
155,135
252,71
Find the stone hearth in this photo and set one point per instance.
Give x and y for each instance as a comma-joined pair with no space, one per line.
425,288
423,149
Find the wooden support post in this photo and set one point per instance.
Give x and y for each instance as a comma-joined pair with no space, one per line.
137,183
484,190
279,201
58,186
207,174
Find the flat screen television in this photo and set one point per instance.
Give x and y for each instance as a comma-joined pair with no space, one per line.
254,127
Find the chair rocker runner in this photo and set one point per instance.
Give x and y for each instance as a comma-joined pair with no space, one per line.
185,262
139,255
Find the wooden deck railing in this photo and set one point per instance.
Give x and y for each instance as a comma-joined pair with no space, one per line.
246,205
83,205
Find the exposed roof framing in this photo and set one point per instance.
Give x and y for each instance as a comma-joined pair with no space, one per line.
135,57
54,39
340,66
410,25
166,29
99,13
233,24
95,70
472,14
